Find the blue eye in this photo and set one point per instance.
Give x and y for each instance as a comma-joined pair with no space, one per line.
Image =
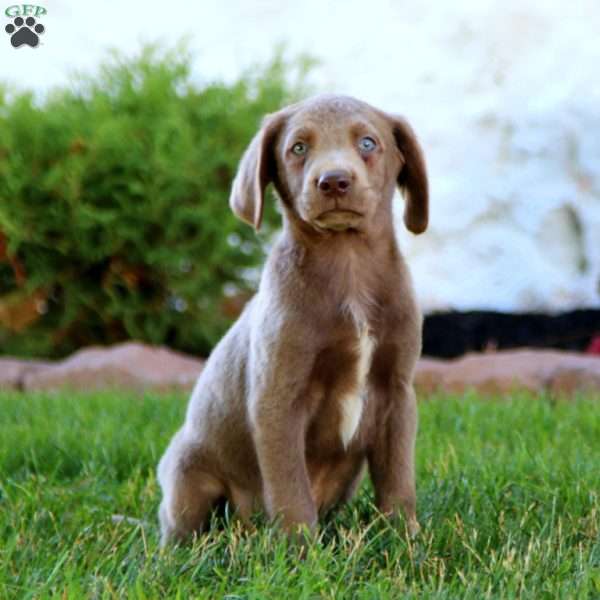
367,144
299,148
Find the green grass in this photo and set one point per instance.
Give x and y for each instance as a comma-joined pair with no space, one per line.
508,498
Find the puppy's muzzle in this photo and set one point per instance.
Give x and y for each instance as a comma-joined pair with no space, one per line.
336,186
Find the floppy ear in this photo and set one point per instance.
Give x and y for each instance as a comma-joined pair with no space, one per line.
412,178
255,172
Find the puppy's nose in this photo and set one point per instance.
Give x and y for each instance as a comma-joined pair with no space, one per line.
333,183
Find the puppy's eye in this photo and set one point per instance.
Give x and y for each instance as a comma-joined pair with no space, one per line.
299,148
367,144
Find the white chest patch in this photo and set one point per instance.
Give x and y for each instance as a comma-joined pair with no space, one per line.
352,404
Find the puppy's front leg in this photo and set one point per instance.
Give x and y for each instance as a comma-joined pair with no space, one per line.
279,437
391,458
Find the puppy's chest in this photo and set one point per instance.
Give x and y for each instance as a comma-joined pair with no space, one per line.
341,387
352,402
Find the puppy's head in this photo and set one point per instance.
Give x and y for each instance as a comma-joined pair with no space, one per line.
335,162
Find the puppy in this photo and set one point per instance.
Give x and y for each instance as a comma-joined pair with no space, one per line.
314,382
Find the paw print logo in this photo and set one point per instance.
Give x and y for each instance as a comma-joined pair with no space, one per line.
24,32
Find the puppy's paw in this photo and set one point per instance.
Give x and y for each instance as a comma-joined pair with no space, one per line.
413,528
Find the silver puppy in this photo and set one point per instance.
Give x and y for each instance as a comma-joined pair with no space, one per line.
315,379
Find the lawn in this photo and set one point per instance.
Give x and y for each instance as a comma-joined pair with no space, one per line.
508,493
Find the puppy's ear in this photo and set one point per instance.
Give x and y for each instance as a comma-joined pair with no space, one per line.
256,170
412,178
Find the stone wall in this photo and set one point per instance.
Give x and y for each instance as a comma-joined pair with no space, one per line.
139,367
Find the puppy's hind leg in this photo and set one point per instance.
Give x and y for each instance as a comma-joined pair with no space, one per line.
189,492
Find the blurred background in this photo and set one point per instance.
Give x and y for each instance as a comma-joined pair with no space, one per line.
121,131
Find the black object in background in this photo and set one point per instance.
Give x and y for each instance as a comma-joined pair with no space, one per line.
451,334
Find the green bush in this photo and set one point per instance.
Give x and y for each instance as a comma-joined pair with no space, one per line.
114,218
